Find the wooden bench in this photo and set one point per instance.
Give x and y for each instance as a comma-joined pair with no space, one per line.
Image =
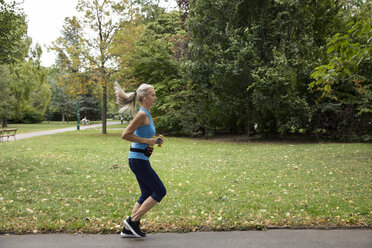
7,133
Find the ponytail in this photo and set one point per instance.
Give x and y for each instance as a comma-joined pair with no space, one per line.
127,101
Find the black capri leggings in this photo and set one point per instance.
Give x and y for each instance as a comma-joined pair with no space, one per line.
149,182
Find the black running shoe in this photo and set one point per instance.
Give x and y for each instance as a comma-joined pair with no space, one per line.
125,233
134,227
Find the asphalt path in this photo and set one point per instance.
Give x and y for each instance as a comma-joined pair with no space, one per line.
245,239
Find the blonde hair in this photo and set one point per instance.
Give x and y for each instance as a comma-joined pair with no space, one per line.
127,101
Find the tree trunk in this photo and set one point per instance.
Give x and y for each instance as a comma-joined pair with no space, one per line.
63,118
104,108
5,122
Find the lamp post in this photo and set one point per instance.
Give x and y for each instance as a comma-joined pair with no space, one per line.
78,114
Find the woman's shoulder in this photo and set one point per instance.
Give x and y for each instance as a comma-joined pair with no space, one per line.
141,114
144,112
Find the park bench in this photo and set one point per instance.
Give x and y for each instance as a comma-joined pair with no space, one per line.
7,133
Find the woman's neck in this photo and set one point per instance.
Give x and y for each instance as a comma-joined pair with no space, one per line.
145,107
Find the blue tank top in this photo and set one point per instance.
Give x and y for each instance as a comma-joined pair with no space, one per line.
143,132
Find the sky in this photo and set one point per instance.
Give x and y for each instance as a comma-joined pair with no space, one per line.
45,19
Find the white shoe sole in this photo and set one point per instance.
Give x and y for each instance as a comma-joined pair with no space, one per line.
131,229
124,235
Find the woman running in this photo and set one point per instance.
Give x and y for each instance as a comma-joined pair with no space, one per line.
140,132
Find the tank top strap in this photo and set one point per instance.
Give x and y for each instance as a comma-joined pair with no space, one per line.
147,113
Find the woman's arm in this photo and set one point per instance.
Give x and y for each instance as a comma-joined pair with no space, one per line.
138,121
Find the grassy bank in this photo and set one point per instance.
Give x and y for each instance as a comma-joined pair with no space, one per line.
80,181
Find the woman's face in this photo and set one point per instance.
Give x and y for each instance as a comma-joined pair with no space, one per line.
150,98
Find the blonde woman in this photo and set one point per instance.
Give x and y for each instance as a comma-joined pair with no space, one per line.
140,132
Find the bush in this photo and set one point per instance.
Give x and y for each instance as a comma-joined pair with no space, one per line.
341,122
29,115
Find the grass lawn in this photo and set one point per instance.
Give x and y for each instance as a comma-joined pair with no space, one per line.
27,128
80,182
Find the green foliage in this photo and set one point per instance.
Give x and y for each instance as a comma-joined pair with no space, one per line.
149,9
61,106
24,88
29,115
153,60
42,93
84,49
28,90
230,67
14,42
288,111
337,121
70,51
250,63
345,81
245,67
90,107
348,57
8,101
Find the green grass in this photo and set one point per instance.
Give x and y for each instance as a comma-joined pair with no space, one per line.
26,128
80,182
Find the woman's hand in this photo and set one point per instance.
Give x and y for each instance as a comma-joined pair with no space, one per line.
151,141
159,140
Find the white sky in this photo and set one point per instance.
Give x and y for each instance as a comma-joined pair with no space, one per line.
45,19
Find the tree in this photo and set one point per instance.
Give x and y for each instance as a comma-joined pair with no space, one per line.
243,66
149,10
149,56
42,93
249,62
25,90
7,101
102,19
13,33
28,92
123,46
13,46
76,79
350,56
71,78
62,105
344,82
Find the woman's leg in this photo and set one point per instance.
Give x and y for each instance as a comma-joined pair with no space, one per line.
151,186
144,208
135,208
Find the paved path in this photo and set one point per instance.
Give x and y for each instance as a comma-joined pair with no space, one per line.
247,239
61,130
